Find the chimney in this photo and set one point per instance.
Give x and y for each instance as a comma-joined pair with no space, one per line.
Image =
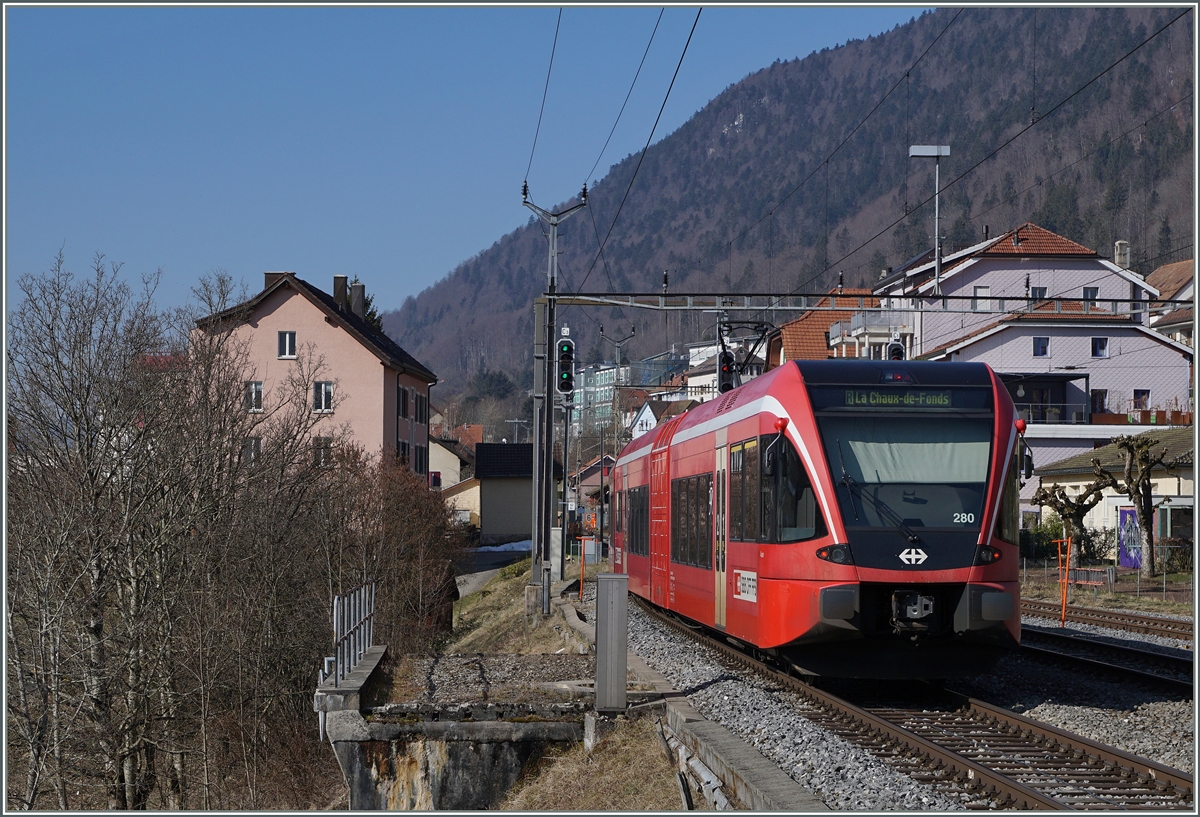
986,229
269,278
1121,254
358,294
339,291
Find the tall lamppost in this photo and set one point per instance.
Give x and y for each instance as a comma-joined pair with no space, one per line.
935,152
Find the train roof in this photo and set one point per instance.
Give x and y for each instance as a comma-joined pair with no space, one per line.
857,371
832,372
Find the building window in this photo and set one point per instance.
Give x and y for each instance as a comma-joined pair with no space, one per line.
323,396
1099,401
982,302
1041,347
402,400
402,451
1099,347
252,451
1037,293
1141,399
1090,294
287,344
420,462
322,452
254,395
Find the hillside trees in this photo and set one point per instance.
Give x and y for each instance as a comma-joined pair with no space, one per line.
166,605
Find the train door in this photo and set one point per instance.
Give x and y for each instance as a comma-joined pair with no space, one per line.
719,540
660,544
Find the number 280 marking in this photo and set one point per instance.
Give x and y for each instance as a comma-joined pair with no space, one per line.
964,518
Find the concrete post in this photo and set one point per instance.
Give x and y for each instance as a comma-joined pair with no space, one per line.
612,640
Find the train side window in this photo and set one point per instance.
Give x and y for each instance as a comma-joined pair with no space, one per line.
691,522
750,520
799,516
736,458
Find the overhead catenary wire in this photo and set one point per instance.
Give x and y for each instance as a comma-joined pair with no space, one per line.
1003,145
545,91
642,157
637,74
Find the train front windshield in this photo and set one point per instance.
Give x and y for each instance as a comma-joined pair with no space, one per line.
908,458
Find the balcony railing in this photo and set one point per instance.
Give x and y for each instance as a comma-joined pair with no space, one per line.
1082,413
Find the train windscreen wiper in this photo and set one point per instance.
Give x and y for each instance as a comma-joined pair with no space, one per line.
880,506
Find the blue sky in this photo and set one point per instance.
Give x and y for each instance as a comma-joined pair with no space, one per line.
387,142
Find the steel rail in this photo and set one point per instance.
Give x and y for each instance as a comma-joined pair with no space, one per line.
1020,795
1181,667
1132,622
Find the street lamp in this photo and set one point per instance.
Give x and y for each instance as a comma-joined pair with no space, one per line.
935,152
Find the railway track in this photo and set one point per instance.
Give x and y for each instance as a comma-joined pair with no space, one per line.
1171,671
1132,622
965,747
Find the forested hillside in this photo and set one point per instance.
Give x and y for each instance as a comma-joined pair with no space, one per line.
1077,119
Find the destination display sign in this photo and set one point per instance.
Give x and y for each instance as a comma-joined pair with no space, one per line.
899,398
904,398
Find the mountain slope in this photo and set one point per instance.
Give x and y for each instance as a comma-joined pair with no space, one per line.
797,174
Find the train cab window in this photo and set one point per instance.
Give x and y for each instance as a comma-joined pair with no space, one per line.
798,516
1008,526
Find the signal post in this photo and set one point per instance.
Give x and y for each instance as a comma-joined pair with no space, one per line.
543,452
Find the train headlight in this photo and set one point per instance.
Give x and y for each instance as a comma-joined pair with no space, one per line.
838,554
987,555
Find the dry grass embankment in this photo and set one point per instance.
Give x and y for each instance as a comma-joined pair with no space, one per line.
628,771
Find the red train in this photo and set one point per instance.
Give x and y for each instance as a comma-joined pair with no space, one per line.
858,518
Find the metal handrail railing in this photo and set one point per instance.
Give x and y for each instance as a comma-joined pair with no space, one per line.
353,632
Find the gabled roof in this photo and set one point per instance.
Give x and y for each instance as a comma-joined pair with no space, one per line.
1027,241
1170,279
465,453
1044,314
373,339
1177,440
1176,318
591,467
806,337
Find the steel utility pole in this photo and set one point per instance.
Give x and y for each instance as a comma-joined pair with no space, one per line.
543,457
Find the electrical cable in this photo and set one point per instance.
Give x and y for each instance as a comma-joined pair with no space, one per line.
545,91
1008,142
627,95
642,157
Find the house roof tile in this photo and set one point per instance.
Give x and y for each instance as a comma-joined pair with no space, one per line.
1177,440
1169,279
806,337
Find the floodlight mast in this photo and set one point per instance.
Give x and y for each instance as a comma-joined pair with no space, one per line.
935,152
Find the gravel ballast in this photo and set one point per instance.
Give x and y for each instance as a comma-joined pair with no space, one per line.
845,777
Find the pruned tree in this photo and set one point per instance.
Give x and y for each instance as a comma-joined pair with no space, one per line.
1140,460
1072,509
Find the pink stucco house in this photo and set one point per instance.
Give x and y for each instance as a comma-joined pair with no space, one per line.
367,383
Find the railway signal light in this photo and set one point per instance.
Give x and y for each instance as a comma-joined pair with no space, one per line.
725,371
566,366
895,350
